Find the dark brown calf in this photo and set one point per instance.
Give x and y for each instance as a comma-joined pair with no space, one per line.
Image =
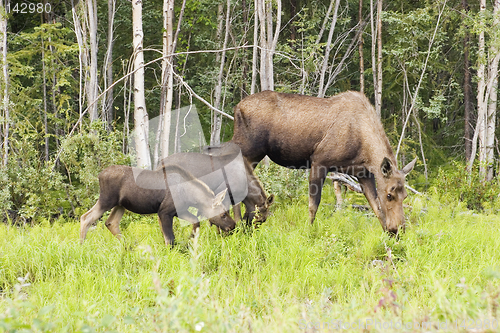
147,192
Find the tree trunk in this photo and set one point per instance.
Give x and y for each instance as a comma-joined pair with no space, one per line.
377,57
325,21
492,101
274,40
81,39
92,84
4,82
467,89
217,118
486,97
264,81
255,47
360,49
480,133
378,96
140,113
107,105
243,91
167,78
44,90
268,42
324,66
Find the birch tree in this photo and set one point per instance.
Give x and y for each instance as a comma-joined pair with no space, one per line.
467,88
167,89
324,66
85,23
4,82
268,41
216,117
93,84
491,102
255,52
487,77
360,49
141,126
107,105
376,30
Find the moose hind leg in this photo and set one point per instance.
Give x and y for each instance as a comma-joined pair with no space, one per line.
196,226
166,223
113,221
316,180
89,219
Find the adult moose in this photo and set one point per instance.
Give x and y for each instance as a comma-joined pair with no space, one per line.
168,191
341,133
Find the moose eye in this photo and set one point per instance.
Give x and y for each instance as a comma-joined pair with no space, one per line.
389,197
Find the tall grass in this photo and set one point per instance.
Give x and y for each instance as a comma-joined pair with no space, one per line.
285,276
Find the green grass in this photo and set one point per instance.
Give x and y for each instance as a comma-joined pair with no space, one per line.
286,276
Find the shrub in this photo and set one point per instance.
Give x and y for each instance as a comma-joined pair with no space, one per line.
455,182
32,187
286,183
84,155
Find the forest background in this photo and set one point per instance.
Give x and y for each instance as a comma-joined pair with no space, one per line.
77,76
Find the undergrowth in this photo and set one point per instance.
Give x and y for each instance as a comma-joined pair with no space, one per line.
286,276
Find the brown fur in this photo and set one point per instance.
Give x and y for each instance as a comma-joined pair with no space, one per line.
147,192
341,133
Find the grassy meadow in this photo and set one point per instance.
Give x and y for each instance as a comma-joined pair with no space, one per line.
342,273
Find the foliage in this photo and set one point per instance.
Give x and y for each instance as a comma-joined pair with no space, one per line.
36,188
287,184
280,277
33,187
87,153
454,182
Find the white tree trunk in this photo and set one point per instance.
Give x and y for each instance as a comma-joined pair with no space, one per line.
217,118
325,21
492,101
321,90
264,81
268,41
4,82
140,113
360,50
378,95
486,97
107,105
167,76
81,39
255,48
377,56
92,84
480,132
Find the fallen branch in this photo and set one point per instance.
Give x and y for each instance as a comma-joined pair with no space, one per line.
347,180
413,190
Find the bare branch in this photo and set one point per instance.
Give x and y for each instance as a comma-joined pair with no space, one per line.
349,181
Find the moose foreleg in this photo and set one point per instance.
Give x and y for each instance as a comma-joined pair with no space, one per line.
370,192
316,180
113,221
237,212
89,219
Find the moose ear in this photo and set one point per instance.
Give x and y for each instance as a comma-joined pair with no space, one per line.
386,167
270,200
406,170
219,198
